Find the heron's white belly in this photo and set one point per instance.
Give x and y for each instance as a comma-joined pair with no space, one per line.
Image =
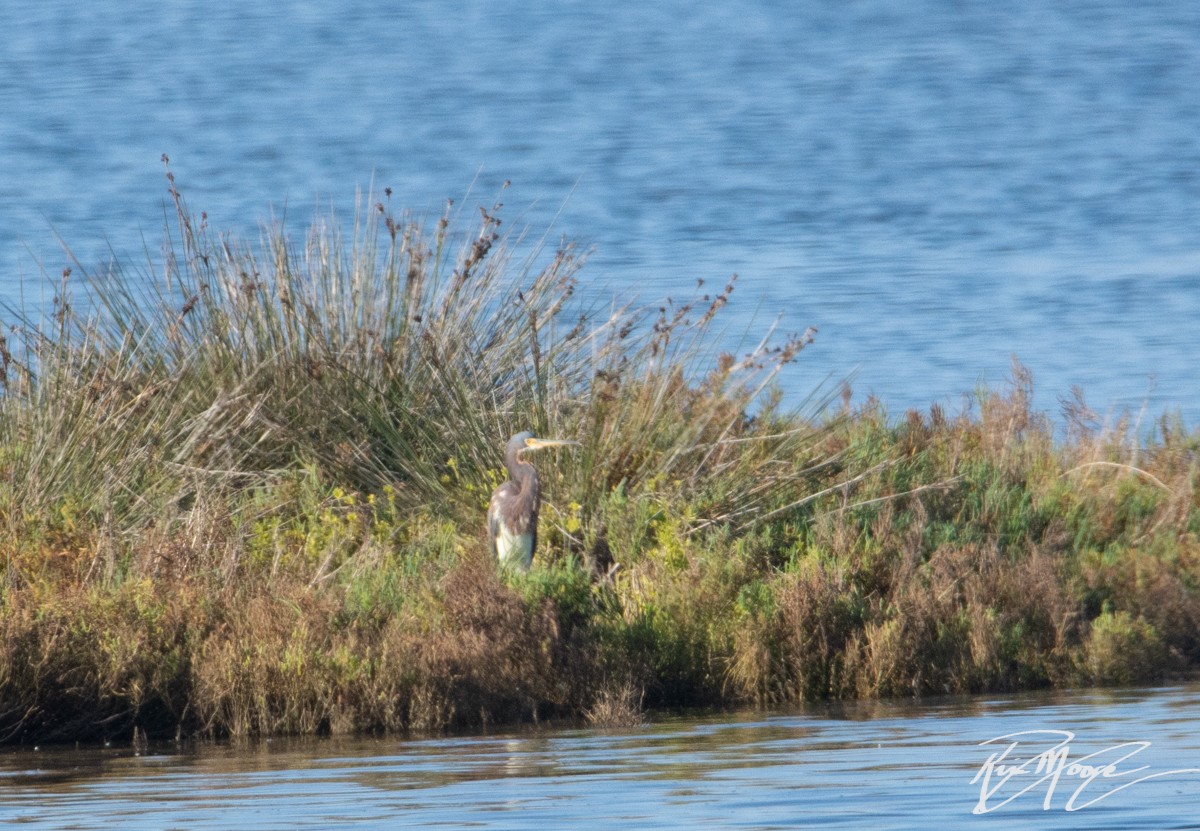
514,550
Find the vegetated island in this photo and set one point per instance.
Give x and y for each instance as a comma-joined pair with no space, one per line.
242,492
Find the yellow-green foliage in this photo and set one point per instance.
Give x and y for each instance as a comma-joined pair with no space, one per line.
1122,649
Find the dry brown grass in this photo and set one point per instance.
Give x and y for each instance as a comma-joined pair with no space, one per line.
617,706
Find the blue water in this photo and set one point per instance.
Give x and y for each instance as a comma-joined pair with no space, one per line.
889,765
935,186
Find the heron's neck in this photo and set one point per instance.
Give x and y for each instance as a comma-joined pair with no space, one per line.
525,475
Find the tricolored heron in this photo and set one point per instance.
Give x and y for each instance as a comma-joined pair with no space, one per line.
513,511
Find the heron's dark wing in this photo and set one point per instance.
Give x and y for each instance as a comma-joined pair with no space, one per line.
505,494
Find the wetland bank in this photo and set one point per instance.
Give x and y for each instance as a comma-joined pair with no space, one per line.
243,486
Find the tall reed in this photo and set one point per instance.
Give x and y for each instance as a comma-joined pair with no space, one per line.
400,357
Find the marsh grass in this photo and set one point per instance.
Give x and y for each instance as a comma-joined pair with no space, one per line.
242,492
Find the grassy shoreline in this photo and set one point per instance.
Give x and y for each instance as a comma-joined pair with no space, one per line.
242,493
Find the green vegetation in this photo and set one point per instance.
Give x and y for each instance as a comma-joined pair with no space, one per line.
242,492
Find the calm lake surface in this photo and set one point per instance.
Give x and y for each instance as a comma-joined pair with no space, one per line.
935,186
862,765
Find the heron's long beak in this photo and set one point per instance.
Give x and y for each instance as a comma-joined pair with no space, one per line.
538,444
